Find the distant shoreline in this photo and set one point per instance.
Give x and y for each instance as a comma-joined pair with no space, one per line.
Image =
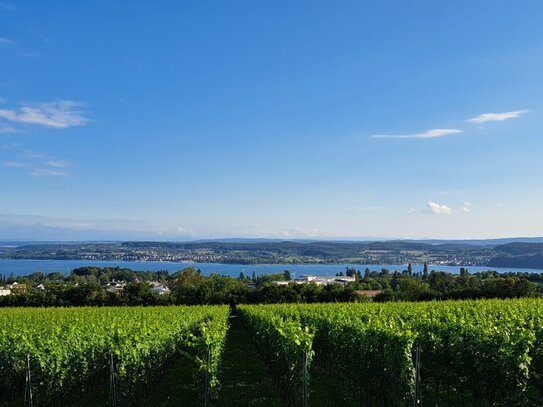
21,267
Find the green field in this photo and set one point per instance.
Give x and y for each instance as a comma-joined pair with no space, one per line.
472,353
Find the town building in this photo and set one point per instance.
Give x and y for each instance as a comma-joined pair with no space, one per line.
326,280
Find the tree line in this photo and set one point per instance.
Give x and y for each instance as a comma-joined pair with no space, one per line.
88,286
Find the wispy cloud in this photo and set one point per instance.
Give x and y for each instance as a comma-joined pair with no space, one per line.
39,164
47,172
8,130
27,227
438,209
496,117
61,114
467,207
7,6
433,133
6,41
57,163
28,153
10,146
13,164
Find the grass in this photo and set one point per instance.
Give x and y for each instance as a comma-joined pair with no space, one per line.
244,379
326,390
244,376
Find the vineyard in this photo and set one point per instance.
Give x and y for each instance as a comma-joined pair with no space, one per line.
69,351
465,353
469,353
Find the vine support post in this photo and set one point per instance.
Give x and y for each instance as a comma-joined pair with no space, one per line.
112,395
206,384
28,402
304,365
416,394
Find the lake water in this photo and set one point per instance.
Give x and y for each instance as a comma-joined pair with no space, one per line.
25,267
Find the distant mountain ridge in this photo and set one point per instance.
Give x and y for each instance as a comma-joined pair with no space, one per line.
481,242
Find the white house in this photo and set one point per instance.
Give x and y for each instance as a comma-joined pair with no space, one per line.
305,279
159,288
115,287
17,288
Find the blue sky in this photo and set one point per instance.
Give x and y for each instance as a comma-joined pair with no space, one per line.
195,119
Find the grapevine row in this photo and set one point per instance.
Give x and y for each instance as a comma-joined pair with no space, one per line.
70,348
484,353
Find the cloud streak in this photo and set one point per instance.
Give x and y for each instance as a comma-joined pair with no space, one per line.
433,133
6,41
36,163
57,163
13,164
48,172
467,207
496,117
8,130
437,133
61,115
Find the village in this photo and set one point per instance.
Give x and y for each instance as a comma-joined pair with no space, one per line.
113,287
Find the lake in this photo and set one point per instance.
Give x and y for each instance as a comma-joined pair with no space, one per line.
24,267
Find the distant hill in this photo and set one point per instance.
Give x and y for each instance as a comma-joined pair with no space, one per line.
483,242
515,249
478,242
515,253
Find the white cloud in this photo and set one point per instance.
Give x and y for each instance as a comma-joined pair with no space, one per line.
496,117
467,207
411,210
46,172
185,230
61,115
438,209
298,232
434,133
